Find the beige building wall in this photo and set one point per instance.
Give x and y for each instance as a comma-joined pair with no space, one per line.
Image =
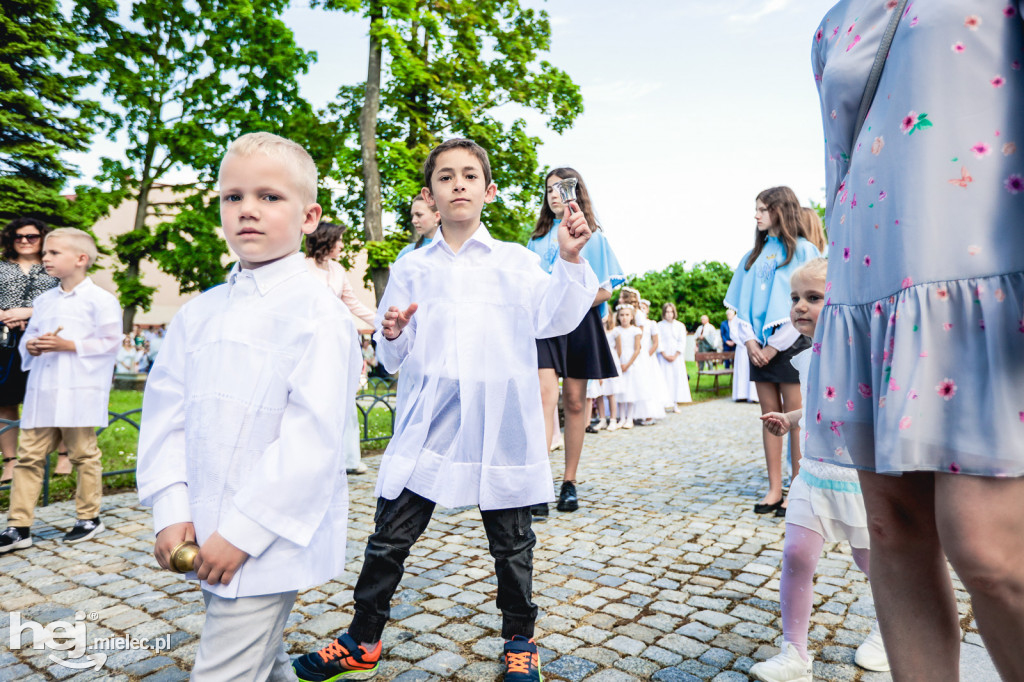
167,299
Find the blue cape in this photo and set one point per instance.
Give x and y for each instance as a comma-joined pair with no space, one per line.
597,251
760,295
412,247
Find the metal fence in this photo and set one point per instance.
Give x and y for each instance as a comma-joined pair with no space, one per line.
378,393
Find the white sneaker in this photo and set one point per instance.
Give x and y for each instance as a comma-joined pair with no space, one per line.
628,424
359,468
787,666
614,425
871,653
602,424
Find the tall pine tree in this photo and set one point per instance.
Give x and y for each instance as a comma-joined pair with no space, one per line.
41,113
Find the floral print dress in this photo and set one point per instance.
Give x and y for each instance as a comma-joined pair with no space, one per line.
918,359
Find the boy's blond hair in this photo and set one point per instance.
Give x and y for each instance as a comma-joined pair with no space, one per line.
79,240
817,267
281,149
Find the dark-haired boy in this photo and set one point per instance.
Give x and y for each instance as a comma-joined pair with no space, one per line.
460,318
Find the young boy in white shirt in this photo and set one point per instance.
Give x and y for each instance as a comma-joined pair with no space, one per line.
243,418
460,318
68,350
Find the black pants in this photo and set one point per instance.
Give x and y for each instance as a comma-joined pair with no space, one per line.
400,522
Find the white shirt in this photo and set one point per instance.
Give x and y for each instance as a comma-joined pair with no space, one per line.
469,428
242,425
784,336
64,388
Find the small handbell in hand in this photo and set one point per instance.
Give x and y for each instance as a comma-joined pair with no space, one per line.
566,189
183,557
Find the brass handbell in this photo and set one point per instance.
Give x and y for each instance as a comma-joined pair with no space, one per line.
183,557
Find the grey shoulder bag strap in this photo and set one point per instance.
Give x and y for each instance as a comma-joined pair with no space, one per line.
876,70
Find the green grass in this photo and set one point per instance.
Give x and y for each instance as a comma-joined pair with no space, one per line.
119,444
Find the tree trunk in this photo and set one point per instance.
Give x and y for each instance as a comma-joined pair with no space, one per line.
131,270
372,219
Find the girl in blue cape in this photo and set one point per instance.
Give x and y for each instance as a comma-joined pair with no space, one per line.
760,295
425,221
583,353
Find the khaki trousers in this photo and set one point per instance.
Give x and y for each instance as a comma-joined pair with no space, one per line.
34,447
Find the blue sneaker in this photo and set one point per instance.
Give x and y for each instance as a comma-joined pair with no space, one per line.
343,658
522,662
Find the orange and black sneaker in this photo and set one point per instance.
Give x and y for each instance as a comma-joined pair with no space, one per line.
343,658
522,662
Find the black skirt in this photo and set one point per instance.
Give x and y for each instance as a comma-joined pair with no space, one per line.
780,370
12,379
583,353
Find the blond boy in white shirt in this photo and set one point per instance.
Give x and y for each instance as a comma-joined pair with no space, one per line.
460,317
243,418
68,350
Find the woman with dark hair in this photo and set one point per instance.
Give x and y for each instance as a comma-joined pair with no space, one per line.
583,353
22,278
323,246
759,293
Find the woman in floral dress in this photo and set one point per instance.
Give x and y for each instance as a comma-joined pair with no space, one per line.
917,377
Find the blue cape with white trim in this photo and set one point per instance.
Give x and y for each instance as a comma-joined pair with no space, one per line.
760,295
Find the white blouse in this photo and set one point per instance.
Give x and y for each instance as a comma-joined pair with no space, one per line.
64,388
469,428
241,432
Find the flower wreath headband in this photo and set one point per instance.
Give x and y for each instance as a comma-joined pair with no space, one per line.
631,290
623,306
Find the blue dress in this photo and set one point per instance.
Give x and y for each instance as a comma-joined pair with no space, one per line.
918,360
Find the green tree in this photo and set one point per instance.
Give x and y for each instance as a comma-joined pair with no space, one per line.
42,115
695,292
439,69
183,79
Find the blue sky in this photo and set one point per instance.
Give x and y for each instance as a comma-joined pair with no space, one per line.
692,108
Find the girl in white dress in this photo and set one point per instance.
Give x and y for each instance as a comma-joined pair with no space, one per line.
652,393
672,343
627,348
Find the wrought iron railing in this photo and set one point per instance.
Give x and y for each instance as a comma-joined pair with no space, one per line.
378,393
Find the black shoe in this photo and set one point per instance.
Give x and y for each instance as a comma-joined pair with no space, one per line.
15,537
780,513
85,529
567,500
768,508
540,509
590,429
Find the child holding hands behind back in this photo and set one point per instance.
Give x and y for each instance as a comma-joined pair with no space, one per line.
825,505
241,447
68,349
460,318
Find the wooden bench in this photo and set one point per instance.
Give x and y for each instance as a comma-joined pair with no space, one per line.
713,359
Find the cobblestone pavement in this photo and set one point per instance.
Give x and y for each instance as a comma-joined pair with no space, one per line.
664,574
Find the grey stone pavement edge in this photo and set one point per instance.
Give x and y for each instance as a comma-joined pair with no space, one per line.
664,573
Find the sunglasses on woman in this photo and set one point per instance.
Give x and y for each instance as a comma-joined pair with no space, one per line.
30,238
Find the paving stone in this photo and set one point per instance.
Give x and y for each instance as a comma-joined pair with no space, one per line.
662,575
569,667
443,663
